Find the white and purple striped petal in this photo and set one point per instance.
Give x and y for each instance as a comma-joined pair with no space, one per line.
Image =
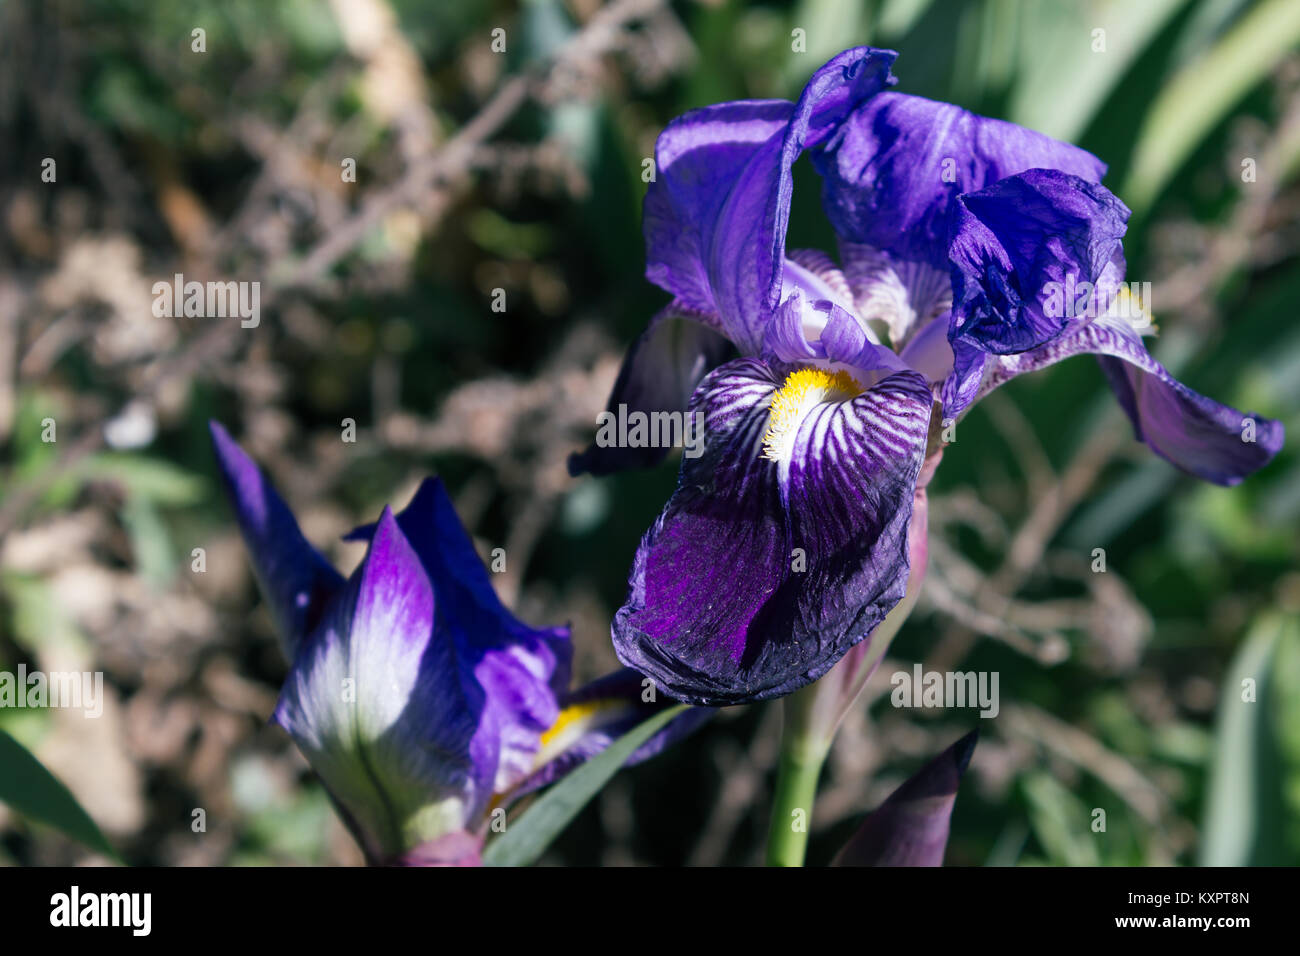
786,542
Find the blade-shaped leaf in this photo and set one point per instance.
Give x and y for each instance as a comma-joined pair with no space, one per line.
528,837
37,794
1247,820
1200,95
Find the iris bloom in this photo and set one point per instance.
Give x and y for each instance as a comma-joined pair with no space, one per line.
420,702
971,251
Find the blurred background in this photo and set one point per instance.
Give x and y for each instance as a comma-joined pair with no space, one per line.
522,171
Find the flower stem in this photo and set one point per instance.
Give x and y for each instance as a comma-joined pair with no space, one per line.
802,756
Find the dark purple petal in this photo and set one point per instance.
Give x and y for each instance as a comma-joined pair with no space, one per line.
1195,433
718,610
895,167
911,827
1030,256
597,714
296,581
715,217
659,374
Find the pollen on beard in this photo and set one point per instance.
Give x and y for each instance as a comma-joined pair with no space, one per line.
802,390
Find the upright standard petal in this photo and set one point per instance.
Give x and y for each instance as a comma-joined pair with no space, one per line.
1030,257
786,542
296,581
911,827
715,217
658,375
896,166
1214,442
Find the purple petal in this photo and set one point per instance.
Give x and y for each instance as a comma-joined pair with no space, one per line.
896,166
1032,255
659,374
296,581
513,674
419,697
1195,433
721,608
357,701
715,217
802,332
911,827
597,714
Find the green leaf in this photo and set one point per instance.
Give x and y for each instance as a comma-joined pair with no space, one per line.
1064,81
528,837
1256,764
159,481
37,794
1200,95
1061,822
151,543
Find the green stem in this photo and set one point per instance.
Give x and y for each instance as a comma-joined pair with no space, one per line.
802,756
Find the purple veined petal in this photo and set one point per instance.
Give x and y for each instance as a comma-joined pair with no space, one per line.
295,579
1032,256
902,295
715,217
660,372
597,714
911,827
1194,433
895,167
510,675
722,608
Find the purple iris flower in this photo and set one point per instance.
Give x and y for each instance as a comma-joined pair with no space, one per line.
423,705
971,250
